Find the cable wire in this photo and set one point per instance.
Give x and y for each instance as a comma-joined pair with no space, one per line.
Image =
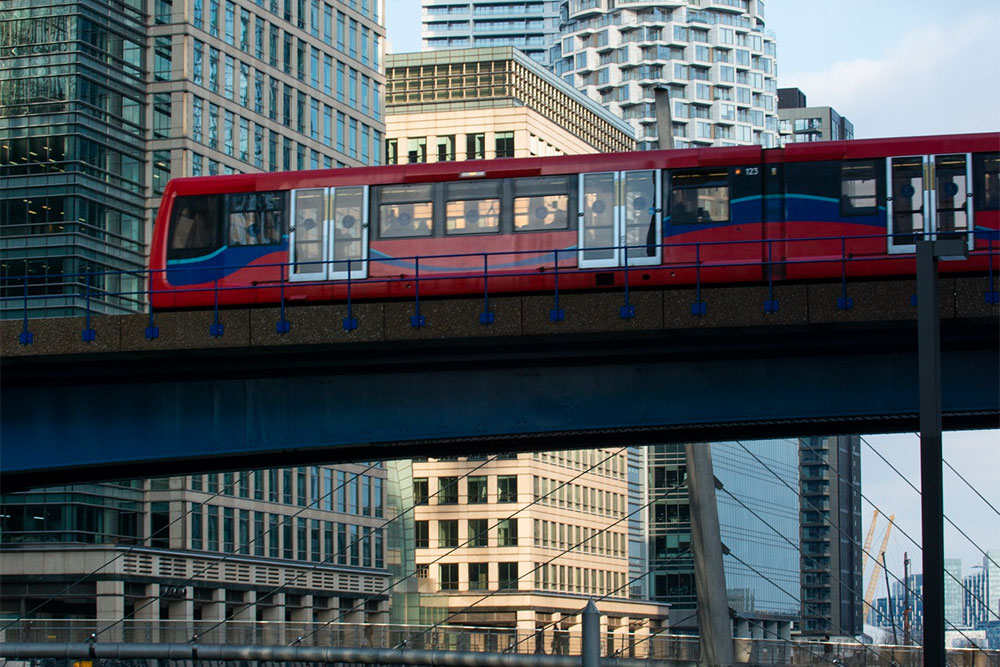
345,549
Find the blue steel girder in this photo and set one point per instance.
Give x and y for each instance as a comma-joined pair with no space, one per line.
106,416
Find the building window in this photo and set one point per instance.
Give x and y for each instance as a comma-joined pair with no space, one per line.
416,150
447,533
507,489
475,146
507,533
478,533
507,575
391,151
477,489
421,538
446,148
447,491
504,144
448,576
479,576
420,493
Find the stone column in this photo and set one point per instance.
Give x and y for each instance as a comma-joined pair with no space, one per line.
110,610
525,637
180,625
146,627
209,630
273,616
301,618
242,625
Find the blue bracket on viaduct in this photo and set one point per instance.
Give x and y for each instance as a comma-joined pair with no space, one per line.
136,407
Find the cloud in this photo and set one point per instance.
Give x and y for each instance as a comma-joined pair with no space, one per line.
935,80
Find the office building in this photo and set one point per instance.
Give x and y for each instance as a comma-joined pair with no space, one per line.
715,60
830,535
904,611
520,542
953,593
798,122
466,104
532,27
103,101
759,519
982,591
252,557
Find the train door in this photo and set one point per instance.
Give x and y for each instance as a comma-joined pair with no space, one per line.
929,196
329,233
619,219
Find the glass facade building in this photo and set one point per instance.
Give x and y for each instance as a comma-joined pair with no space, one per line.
758,517
73,178
103,101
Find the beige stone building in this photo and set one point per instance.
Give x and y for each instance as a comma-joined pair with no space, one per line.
522,542
464,104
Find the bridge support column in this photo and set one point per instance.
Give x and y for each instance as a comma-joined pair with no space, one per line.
110,610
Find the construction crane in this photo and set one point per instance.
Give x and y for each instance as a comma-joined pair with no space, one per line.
877,566
868,541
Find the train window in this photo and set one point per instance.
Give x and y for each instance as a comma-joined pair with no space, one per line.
472,208
699,197
195,226
405,210
256,218
541,203
858,188
986,176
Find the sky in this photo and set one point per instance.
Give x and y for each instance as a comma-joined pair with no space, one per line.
893,68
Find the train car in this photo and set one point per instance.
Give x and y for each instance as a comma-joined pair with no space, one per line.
712,215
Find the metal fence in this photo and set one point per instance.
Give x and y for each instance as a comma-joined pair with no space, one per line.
58,643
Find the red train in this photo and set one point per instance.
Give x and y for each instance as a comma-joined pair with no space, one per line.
721,215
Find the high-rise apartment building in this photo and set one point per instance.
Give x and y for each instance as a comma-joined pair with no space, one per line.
715,59
103,101
531,26
522,541
758,518
251,557
830,534
798,122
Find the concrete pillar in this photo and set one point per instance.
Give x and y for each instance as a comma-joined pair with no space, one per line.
272,616
146,627
622,637
110,610
301,618
590,627
243,622
525,631
179,628
211,614
642,649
